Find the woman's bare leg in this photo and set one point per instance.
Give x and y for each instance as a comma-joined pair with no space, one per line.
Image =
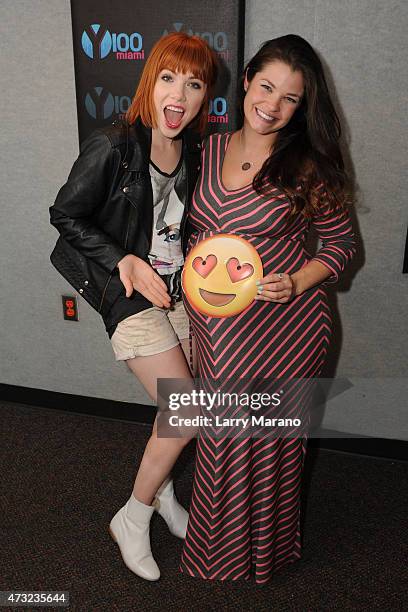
160,453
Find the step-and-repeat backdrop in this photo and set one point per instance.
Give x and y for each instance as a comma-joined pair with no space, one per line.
112,40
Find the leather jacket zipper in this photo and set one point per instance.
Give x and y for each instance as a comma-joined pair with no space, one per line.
104,291
127,229
111,274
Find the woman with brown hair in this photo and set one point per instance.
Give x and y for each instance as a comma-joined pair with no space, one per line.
122,216
268,183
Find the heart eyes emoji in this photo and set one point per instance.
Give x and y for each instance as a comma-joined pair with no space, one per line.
204,266
219,275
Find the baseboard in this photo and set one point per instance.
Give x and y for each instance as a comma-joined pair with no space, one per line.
79,404
144,414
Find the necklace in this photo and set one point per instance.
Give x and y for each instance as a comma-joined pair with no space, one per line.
246,165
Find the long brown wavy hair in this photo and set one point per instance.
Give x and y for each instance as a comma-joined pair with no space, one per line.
306,161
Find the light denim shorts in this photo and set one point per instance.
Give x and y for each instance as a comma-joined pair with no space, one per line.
149,332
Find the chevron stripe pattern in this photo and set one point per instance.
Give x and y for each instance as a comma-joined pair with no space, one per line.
244,514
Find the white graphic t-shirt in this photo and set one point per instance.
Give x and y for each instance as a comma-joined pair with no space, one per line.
166,255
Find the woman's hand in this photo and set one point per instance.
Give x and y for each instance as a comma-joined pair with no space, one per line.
137,274
276,288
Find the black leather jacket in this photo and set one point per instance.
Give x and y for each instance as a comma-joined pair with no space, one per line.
105,209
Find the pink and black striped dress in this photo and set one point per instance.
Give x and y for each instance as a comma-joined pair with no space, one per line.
244,513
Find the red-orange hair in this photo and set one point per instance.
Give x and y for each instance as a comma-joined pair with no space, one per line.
177,52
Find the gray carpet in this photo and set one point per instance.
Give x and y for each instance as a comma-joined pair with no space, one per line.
64,475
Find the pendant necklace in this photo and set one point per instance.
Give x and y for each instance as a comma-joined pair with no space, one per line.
246,165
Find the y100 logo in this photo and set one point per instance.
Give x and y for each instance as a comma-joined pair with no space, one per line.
218,111
101,104
217,40
98,42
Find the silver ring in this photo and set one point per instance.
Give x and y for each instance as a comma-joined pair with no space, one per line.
280,275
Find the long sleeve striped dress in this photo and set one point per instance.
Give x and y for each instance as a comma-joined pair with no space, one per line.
244,513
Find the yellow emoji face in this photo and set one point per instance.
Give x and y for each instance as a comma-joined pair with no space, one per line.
220,274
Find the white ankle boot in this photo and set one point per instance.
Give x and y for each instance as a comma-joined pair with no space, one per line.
169,508
130,530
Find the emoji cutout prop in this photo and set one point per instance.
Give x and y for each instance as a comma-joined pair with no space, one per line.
219,275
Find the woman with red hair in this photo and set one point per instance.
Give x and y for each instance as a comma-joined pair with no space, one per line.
122,218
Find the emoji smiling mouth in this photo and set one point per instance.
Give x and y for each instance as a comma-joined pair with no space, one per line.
216,299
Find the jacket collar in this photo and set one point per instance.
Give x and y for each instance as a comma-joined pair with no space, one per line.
138,145
139,142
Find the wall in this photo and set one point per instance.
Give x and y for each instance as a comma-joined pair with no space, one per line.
361,44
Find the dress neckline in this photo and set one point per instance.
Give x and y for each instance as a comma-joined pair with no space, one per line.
223,150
